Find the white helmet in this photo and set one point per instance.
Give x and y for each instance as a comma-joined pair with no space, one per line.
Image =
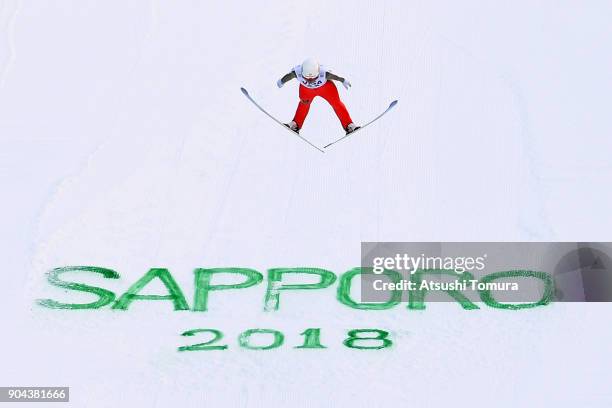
310,68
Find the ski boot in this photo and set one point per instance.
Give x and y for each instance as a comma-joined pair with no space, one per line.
350,128
293,126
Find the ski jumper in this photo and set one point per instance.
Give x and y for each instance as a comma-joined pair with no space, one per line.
322,87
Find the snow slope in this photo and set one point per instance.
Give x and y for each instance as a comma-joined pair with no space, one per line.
125,142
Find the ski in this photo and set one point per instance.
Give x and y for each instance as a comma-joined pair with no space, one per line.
246,93
391,105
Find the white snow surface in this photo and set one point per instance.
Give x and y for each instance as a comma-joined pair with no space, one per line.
125,142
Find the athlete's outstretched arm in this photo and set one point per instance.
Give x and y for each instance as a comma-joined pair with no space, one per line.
288,77
335,77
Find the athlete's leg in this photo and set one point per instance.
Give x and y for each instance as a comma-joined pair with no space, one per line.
306,96
329,92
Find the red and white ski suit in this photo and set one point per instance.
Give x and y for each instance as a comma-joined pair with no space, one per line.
321,86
